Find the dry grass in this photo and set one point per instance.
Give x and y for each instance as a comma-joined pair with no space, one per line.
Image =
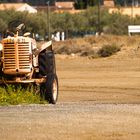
89,46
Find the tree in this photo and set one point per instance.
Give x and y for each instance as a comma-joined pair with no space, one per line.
80,4
117,24
3,24
83,4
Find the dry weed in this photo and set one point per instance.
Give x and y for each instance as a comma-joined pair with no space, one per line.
89,46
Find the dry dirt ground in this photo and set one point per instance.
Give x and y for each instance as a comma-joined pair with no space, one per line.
99,99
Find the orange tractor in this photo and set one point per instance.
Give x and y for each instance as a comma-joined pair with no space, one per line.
22,62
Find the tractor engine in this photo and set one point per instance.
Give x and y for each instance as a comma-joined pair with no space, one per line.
17,55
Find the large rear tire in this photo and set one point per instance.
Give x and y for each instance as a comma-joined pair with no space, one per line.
49,90
46,63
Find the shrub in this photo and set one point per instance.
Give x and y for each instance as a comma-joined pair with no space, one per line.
108,50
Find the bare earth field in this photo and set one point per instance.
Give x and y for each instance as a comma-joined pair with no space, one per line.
99,99
101,80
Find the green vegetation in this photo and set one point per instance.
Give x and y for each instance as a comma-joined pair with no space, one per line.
12,95
73,25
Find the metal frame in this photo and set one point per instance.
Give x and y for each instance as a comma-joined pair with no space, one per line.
19,80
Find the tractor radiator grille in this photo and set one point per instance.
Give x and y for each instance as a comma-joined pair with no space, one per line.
16,56
9,56
23,55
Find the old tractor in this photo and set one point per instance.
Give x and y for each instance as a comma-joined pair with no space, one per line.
22,62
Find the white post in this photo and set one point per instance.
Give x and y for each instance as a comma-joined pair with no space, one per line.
63,36
57,36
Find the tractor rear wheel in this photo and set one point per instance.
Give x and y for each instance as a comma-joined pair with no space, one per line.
46,63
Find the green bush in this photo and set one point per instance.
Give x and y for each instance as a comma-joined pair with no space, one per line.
108,50
12,95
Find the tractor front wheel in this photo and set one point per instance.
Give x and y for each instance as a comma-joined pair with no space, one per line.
49,90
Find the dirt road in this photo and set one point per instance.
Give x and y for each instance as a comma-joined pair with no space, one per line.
99,100
70,121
